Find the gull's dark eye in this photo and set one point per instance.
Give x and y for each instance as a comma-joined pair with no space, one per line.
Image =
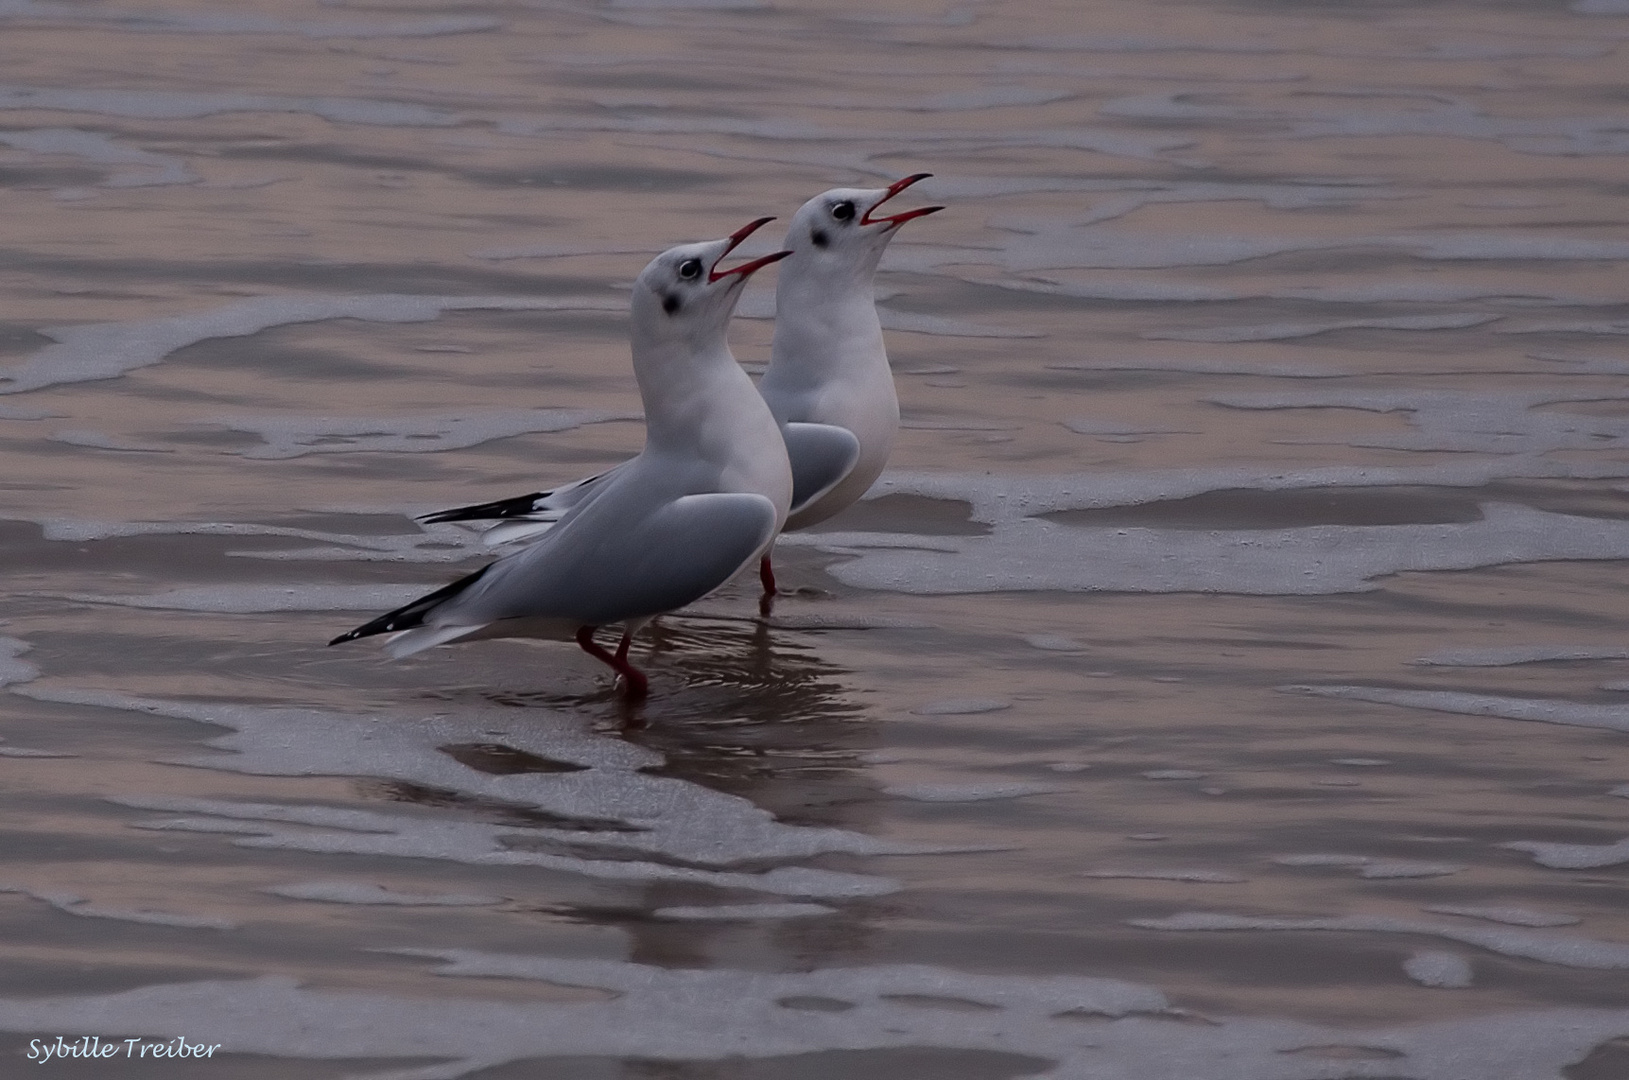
690,269
843,211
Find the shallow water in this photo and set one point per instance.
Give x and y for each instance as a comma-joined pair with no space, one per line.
1227,680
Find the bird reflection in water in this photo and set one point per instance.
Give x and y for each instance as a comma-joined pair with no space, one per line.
762,716
743,708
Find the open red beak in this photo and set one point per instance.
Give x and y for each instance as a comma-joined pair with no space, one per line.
899,219
746,269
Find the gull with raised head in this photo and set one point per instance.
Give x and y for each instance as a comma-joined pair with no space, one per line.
705,497
828,383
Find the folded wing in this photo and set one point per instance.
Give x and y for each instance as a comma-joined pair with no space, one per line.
611,571
617,569
821,455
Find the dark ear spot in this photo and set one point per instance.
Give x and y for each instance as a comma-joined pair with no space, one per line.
670,303
819,237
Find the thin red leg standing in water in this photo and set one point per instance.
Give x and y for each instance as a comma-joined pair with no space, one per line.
766,602
635,685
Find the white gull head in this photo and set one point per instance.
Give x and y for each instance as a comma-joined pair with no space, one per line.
838,237
684,298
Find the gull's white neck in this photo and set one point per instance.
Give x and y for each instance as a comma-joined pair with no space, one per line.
685,384
824,331
702,409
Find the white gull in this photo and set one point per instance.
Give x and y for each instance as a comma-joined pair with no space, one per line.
704,498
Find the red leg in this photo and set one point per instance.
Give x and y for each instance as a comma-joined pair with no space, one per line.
634,683
766,574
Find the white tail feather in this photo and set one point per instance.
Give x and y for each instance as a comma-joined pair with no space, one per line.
420,638
512,531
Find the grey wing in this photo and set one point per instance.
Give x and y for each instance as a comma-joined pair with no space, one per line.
529,521
566,496
821,455
597,569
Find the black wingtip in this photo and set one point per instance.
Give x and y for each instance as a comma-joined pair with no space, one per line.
410,615
382,625
502,508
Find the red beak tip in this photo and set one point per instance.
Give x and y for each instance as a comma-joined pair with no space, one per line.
900,185
747,269
748,229
894,189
